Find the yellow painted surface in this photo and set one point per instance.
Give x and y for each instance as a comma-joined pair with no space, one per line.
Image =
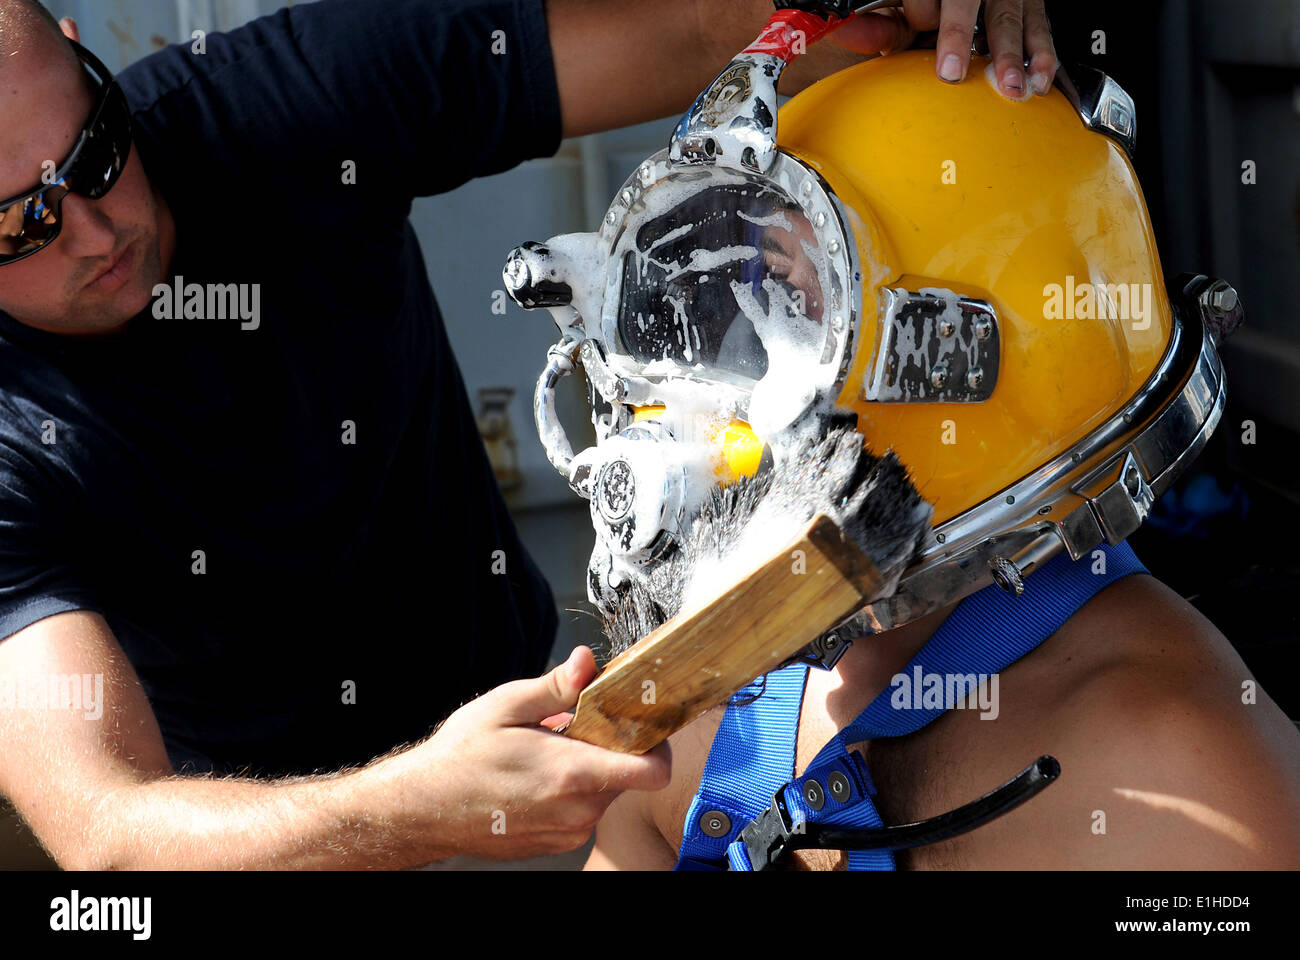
1037,198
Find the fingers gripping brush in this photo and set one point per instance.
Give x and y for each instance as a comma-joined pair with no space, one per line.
770,565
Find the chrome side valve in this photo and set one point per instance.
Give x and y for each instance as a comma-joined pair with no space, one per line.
534,277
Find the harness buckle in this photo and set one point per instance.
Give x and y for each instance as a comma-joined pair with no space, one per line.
767,837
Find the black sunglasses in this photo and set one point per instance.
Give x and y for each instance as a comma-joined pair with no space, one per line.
30,221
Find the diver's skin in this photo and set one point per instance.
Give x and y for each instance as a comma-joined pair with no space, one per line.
102,794
1137,695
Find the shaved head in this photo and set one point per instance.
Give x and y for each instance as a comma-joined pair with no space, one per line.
21,21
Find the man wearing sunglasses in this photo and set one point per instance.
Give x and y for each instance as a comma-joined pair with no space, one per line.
271,553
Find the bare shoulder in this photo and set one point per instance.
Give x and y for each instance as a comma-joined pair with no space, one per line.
1171,754
643,831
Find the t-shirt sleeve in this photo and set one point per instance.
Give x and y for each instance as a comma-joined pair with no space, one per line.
40,572
421,95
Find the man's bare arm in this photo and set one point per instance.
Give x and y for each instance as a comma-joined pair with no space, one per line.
619,63
101,794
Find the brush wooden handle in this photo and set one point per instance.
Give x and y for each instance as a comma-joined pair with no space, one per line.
701,657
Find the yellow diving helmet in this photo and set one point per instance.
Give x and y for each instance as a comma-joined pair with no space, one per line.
976,279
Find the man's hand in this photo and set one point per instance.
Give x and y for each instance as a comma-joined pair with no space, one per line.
1017,31
498,783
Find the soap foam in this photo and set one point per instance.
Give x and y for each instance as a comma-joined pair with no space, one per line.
990,74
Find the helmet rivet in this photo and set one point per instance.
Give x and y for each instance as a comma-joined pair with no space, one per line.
939,376
974,377
611,218
1010,499
941,537
819,221
806,188
834,247
627,198
983,328
647,173
837,323
947,328
1043,511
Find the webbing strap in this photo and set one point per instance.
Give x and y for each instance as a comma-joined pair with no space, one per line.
753,753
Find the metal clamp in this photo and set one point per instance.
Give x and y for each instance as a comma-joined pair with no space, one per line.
824,652
1121,498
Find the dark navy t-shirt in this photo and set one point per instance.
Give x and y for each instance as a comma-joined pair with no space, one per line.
189,478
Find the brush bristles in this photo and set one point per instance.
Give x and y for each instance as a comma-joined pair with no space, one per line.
871,498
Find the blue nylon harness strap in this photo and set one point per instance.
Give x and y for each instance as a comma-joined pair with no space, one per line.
753,753
746,765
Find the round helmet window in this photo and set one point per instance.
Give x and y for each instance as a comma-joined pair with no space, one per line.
726,274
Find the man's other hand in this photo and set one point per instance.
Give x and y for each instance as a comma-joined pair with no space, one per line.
1017,31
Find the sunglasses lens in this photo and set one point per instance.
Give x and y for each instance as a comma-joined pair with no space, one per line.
31,223
105,152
